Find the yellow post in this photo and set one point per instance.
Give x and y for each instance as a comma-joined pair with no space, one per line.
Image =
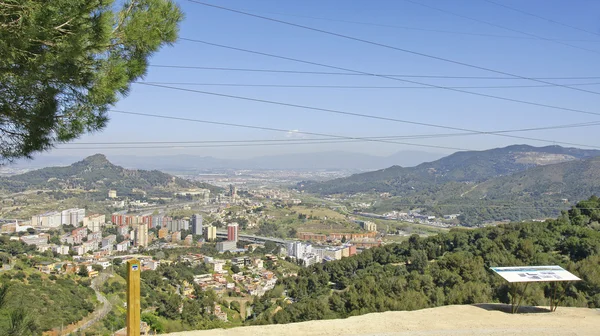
133,297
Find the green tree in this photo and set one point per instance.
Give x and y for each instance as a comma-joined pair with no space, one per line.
65,62
83,271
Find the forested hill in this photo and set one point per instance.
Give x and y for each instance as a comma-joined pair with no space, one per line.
467,166
539,192
450,268
96,173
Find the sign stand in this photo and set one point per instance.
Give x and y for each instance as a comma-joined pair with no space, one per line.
133,297
527,274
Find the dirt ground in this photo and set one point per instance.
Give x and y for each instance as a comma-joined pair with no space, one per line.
480,320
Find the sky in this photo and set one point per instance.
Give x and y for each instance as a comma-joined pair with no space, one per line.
560,52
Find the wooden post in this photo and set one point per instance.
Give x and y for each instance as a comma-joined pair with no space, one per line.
133,297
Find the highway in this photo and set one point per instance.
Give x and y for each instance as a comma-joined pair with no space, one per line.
253,238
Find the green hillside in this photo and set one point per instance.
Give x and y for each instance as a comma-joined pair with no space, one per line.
96,173
468,166
452,268
539,192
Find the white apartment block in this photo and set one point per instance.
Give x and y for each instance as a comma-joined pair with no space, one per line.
72,216
94,223
47,220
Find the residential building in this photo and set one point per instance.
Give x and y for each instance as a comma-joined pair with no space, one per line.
109,240
210,233
94,236
232,191
141,235
94,223
197,224
51,220
122,230
311,236
67,239
346,251
112,194
163,233
157,221
72,216
117,219
152,264
232,232
298,249
104,263
176,236
352,250
369,226
332,253
78,235
189,239
310,259
61,249
228,245
123,246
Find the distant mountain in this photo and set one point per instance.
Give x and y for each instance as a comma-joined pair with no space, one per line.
298,161
96,173
539,192
467,166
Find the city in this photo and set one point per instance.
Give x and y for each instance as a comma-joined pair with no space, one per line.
319,168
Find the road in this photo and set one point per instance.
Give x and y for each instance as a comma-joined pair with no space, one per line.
99,313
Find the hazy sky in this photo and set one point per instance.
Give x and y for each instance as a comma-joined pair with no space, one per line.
521,54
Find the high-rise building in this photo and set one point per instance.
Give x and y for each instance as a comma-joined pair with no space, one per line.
141,236
210,233
197,224
72,216
49,220
232,191
232,232
94,223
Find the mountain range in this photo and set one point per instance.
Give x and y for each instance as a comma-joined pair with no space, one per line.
503,183
97,174
337,160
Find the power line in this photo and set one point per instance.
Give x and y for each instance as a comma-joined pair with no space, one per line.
394,78
263,128
500,26
420,29
360,115
361,87
389,47
388,137
543,18
222,145
325,140
361,74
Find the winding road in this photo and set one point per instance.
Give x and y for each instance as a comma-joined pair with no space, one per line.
99,313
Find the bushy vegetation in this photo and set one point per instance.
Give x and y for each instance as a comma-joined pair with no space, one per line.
451,268
45,303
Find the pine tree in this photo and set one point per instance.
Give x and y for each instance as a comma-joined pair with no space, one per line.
65,62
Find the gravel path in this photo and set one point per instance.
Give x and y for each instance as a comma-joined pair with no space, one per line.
478,320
